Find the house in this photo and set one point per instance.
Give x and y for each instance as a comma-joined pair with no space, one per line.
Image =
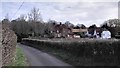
64,31
61,30
94,31
79,32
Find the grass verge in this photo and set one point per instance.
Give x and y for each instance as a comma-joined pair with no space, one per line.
20,59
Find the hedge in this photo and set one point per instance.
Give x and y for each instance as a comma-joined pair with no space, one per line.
91,48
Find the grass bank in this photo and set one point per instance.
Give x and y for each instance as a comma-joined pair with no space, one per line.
20,59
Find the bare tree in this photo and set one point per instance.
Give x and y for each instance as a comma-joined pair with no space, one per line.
69,24
35,15
82,26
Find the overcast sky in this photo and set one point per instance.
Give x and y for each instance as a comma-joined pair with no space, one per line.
86,13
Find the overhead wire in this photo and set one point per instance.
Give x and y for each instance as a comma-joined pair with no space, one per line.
18,9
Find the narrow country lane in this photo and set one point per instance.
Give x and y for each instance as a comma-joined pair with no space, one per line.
39,58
